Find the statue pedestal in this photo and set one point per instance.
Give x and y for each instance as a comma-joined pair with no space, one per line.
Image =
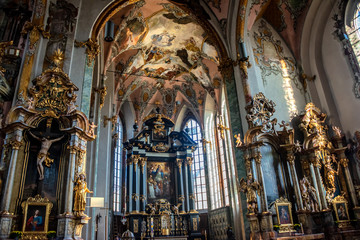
65,226
69,226
305,220
6,219
266,225
357,212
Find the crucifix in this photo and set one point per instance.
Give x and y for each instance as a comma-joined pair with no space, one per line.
46,142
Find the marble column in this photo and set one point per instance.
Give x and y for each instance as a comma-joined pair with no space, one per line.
6,201
315,183
5,216
136,184
185,168
71,177
129,184
291,160
260,179
345,163
181,197
189,161
321,188
143,187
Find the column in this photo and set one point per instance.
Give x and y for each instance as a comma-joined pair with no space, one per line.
129,184
136,184
143,187
320,189
257,157
291,160
186,185
15,145
71,176
345,163
189,161
314,181
181,197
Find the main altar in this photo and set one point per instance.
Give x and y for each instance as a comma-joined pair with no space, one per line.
159,181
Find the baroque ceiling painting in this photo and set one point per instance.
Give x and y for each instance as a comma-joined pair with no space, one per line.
155,65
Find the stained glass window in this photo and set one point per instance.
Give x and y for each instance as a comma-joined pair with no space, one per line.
198,166
117,166
353,33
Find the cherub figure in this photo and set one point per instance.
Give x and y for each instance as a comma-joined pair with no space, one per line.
249,187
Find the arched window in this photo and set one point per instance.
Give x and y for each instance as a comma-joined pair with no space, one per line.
198,165
118,139
353,31
213,164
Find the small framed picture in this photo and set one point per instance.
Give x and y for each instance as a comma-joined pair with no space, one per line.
341,209
284,215
36,215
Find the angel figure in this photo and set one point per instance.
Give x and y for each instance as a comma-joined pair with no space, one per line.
330,173
152,209
249,187
175,208
239,143
80,191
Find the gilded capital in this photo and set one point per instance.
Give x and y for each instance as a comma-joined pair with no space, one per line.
92,49
15,144
344,162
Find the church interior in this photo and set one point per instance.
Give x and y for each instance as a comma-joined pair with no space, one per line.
180,119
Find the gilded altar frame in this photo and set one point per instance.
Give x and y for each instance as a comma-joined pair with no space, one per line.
283,206
40,202
340,206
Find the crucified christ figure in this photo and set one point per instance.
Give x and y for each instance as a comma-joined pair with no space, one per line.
43,153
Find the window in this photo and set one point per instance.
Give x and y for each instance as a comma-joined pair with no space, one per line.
213,166
353,33
118,166
198,166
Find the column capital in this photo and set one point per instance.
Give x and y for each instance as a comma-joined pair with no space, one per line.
15,144
179,163
257,158
344,162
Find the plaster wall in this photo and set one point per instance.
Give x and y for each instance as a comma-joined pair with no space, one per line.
341,81
267,75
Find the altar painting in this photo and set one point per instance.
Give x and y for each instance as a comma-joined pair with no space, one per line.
159,181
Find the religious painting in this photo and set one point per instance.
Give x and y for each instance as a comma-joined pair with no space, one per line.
273,173
131,34
36,215
341,209
159,181
284,215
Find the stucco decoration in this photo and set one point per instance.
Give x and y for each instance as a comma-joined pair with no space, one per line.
269,53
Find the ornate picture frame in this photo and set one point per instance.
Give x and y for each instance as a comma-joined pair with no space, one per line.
340,206
284,215
36,213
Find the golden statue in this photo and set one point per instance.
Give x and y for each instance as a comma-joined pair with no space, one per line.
249,187
80,191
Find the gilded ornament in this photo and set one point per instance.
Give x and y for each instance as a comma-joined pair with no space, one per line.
103,92
239,143
204,142
221,127
179,164
35,32
260,112
112,119
92,49
3,46
15,144
244,64
337,131
160,147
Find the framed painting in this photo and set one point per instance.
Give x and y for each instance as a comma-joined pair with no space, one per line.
159,181
341,211
284,215
36,216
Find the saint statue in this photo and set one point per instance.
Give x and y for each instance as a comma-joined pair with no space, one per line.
249,187
308,194
80,191
43,154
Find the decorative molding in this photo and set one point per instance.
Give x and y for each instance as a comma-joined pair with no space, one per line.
92,49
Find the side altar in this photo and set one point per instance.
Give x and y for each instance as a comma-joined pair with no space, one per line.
159,182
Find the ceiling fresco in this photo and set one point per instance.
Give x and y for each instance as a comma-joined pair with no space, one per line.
162,56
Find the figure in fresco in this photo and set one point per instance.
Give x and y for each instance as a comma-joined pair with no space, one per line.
151,184
163,39
43,154
80,191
